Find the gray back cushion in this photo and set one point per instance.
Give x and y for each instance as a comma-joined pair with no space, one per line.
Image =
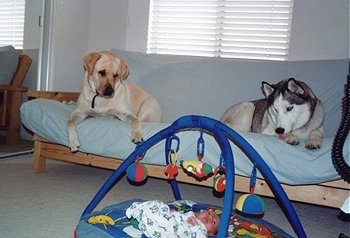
8,63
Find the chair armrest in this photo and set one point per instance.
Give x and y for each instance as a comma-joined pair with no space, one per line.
54,95
24,62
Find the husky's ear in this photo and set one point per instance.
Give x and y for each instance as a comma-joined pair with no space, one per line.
294,87
267,89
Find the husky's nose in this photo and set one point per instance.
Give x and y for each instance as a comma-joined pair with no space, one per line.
108,91
279,130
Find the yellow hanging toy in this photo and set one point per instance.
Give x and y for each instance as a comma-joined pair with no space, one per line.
197,167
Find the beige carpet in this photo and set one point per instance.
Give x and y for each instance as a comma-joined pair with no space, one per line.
24,145
50,204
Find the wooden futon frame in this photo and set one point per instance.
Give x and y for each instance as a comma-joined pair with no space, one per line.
330,194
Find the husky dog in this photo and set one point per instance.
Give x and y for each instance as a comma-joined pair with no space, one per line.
289,110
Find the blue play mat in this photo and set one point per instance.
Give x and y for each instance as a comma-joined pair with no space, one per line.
109,221
239,226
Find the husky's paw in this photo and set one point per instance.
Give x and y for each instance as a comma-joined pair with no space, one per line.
313,143
291,139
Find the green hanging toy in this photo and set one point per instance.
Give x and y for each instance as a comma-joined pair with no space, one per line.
219,181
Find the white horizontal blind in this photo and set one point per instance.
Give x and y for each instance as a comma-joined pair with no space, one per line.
12,22
245,29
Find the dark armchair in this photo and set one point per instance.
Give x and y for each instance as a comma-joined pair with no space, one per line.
11,100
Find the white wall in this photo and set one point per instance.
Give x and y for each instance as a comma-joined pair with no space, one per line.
320,30
32,39
136,34
107,24
65,42
32,30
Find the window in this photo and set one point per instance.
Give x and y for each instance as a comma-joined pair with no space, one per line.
245,29
12,22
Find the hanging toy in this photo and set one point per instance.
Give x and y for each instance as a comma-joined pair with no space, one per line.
219,181
171,170
196,167
136,172
251,205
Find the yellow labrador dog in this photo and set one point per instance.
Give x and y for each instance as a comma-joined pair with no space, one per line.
105,93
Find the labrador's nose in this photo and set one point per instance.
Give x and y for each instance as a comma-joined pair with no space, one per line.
108,92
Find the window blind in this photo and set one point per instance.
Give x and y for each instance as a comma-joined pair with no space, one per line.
12,22
245,29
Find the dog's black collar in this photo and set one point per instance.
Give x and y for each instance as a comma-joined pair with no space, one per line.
93,101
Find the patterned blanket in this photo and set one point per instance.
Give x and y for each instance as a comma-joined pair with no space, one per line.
111,221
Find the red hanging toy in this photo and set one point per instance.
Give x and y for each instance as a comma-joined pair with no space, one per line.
136,172
219,182
171,170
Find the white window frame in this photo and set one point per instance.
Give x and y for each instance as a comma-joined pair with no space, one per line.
12,22
242,29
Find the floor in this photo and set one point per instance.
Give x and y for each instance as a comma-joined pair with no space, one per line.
24,145
50,204
313,217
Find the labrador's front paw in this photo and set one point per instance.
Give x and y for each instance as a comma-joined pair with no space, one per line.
74,145
136,136
73,139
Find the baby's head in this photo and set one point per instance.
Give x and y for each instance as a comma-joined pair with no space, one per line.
210,220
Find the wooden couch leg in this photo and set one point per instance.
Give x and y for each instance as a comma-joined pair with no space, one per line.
14,123
39,163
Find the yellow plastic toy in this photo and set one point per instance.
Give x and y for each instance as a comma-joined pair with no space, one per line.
104,220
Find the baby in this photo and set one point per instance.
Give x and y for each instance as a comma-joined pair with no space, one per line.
156,219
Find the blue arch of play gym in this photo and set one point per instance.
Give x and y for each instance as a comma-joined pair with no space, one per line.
223,134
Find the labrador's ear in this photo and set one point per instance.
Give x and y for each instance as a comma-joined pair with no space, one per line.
124,69
89,62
